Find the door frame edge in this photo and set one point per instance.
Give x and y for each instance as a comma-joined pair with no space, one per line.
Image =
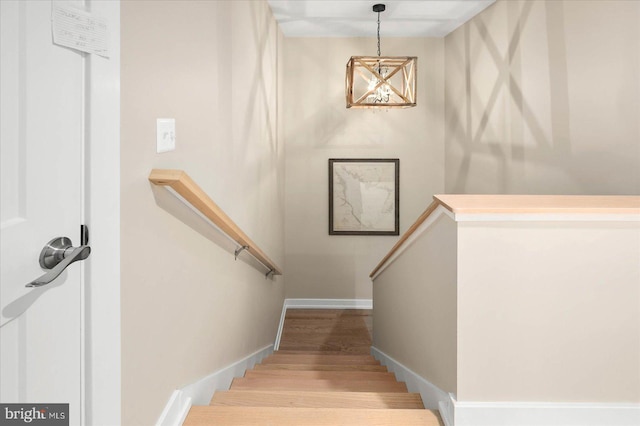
102,338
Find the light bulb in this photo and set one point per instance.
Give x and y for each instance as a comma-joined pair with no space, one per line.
383,93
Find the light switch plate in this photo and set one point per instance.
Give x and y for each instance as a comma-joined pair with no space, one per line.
165,134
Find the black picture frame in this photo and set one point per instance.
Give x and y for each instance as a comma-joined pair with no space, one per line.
364,196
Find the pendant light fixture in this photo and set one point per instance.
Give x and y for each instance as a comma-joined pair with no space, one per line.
381,81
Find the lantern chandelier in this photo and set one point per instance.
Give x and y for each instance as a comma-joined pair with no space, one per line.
381,81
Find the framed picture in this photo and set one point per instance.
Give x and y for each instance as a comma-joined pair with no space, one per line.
364,196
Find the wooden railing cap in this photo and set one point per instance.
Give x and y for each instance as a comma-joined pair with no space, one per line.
492,204
179,181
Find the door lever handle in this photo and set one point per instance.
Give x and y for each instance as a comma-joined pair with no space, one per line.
56,256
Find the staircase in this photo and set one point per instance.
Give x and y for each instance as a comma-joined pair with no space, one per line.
317,378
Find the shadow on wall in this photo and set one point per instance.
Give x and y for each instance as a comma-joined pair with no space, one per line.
509,116
507,80
173,205
264,102
253,100
315,104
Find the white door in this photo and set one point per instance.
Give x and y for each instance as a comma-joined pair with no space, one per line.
42,134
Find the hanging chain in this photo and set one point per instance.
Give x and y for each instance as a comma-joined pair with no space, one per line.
378,33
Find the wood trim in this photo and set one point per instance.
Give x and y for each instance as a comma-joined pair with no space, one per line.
179,181
540,204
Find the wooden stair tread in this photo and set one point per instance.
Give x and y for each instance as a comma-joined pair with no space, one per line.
209,415
318,385
309,352
323,375
352,327
319,359
311,399
340,344
321,367
345,331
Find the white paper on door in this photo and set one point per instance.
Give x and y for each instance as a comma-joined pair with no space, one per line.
79,30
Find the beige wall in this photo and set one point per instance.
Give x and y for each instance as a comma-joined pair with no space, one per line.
550,313
517,310
544,97
414,307
188,309
318,127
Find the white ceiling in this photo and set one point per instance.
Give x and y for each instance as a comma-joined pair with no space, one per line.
355,18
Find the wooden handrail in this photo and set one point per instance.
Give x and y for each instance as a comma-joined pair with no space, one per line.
406,235
521,204
181,183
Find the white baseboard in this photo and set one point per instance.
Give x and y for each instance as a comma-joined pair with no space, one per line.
319,304
176,410
200,392
545,414
433,397
458,413
446,409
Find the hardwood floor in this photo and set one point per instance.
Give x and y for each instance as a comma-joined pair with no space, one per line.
335,330
322,375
